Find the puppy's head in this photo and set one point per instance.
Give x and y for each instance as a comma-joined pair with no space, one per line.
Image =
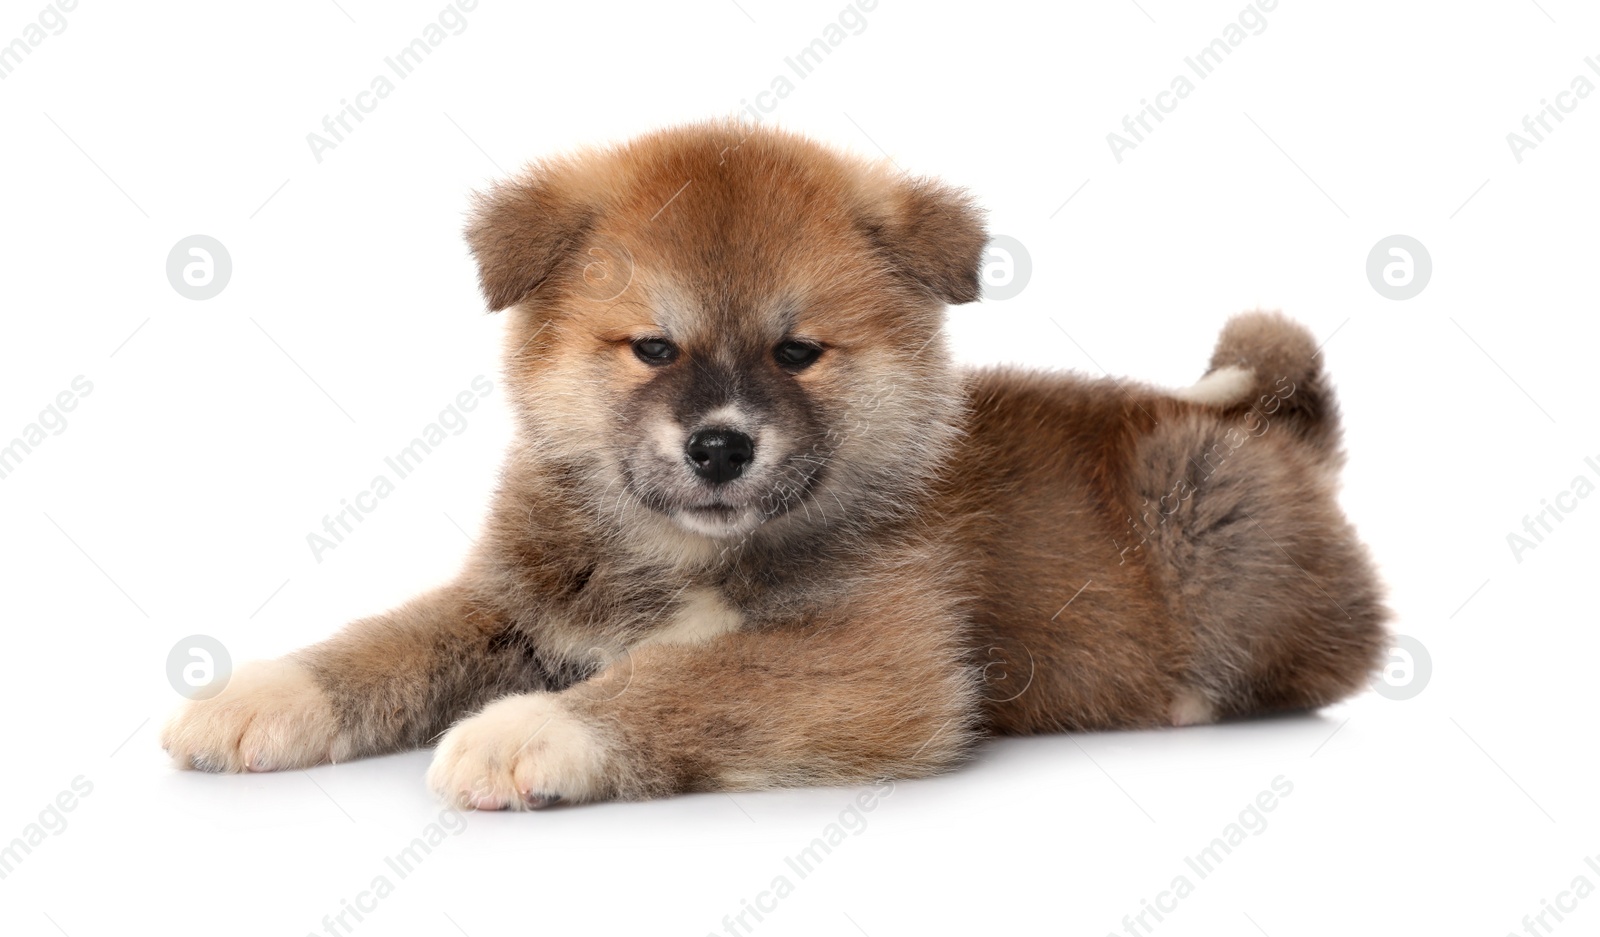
731,327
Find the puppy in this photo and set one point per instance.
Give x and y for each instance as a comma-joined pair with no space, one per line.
757,531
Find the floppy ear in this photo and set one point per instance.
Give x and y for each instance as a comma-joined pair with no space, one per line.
933,234
520,233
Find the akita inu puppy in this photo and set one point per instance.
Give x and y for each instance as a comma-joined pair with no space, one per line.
757,531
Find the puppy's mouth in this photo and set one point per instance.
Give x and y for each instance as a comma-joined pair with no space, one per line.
714,510
761,493
718,518
711,514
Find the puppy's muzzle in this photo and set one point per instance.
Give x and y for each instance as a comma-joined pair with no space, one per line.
719,455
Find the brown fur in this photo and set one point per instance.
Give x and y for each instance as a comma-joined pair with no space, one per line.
891,580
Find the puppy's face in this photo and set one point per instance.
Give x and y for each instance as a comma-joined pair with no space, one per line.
730,327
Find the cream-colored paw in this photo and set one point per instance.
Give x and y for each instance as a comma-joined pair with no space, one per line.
520,752
1190,708
271,716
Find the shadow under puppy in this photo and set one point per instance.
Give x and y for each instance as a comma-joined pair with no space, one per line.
756,530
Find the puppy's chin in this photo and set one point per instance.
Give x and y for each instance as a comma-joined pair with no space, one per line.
719,522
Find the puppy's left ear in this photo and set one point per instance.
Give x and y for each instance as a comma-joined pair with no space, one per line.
521,233
932,234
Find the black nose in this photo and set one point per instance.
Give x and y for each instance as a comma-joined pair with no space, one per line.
719,455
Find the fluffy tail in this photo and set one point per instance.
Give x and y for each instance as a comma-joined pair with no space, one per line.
1276,367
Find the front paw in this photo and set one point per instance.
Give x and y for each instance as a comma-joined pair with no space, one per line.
520,752
271,716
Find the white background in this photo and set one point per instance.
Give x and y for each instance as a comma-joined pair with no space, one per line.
219,433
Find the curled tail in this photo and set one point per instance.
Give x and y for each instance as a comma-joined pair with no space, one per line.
1267,363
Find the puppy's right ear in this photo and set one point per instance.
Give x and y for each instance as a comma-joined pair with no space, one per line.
520,234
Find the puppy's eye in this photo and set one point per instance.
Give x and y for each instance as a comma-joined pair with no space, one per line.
655,350
796,355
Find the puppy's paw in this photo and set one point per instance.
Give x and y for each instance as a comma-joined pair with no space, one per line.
1192,708
271,716
520,752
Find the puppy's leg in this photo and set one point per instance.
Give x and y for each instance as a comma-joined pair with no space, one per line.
879,694
383,683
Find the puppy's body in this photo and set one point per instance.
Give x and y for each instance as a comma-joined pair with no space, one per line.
1217,575
757,531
